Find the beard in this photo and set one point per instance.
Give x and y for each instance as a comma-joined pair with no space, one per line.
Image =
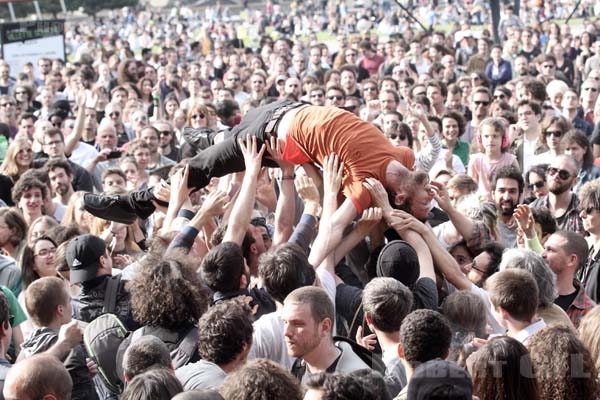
62,189
558,188
507,207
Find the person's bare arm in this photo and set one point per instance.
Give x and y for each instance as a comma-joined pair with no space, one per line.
178,194
75,136
242,209
331,228
463,224
285,211
442,258
313,172
370,218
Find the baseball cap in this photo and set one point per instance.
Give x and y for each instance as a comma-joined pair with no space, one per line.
83,257
440,379
399,260
281,78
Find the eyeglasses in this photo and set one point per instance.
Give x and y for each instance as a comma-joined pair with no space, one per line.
198,116
474,266
562,173
337,97
46,252
164,133
538,184
553,133
481,103
395,136
141,118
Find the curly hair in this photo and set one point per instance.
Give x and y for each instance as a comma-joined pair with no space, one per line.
588,332
424,335
565,369
261,380
502,369
224,331
167,293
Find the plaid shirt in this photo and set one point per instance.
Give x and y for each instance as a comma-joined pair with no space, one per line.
581,305
570,220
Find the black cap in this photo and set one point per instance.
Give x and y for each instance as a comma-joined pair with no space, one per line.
399,260
440,377
83,257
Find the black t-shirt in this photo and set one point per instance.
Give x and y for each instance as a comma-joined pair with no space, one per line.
564,301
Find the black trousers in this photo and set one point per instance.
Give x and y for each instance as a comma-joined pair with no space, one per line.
226,157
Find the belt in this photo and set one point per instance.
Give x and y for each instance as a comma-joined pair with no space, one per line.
272,123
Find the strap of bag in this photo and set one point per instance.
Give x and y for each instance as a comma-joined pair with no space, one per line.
358,310
189,343
110,296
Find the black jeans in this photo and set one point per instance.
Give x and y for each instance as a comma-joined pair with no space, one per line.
226,157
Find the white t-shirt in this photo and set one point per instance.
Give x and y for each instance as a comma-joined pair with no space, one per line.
82,153
268,340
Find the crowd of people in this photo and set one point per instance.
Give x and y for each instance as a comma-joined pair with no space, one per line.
412,216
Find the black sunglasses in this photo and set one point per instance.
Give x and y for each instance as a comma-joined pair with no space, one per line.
164,133
589,210
196,116
553,133
395,136
538,184
481,103
563,174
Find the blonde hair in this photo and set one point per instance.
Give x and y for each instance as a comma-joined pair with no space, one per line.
9,166
588,332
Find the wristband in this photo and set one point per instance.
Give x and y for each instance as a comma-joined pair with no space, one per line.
183,213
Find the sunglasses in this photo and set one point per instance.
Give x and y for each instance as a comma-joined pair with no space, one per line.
338,98
395,136
562,173
538,184
164,133
114,114
198,116
553,133
481,103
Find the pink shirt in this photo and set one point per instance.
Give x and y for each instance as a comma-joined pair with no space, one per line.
481,170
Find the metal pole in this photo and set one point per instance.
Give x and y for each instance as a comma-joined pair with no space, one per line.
37,9
62,5
13,17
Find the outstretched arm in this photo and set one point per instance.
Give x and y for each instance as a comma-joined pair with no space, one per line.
331,228
242,209
285,211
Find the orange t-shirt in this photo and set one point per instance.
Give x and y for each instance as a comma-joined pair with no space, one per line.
316,132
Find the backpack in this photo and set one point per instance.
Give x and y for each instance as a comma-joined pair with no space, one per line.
368,357
103,336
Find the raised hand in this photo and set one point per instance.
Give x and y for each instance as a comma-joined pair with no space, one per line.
441,196
252,155
275,147
370,217
70,334
378,194
215,203
525,221
307,190
179,186
332,174
368,341
403,221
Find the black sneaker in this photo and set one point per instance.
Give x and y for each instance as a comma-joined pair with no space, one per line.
113,208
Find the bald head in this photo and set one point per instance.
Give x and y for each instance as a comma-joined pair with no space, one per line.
38,377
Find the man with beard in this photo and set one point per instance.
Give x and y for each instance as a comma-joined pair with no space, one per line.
507,188
562,175
61,178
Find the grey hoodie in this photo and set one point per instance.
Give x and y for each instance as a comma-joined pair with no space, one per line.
10,274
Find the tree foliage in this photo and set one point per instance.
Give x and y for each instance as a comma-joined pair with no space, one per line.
90,7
